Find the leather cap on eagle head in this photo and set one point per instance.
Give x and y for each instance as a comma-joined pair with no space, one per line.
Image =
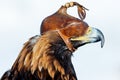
71,28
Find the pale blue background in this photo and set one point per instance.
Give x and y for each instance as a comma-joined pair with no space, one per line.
21,19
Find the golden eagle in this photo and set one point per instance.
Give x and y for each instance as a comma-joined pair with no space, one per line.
48,56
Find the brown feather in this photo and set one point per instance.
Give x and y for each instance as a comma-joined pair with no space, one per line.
40,59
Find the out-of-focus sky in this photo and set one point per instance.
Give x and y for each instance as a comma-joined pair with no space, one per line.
21,19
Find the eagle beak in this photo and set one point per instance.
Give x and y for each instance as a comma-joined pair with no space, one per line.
92,35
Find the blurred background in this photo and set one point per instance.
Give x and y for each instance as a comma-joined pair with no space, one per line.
21,19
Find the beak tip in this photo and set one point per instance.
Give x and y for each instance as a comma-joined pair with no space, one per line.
102,44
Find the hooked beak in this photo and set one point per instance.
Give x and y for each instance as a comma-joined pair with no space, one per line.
92,35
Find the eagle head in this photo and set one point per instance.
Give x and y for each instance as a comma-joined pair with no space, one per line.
71,28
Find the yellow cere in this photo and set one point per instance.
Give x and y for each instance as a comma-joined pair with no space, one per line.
89,31
84,37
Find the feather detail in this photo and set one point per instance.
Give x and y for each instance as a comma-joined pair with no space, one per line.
41,58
